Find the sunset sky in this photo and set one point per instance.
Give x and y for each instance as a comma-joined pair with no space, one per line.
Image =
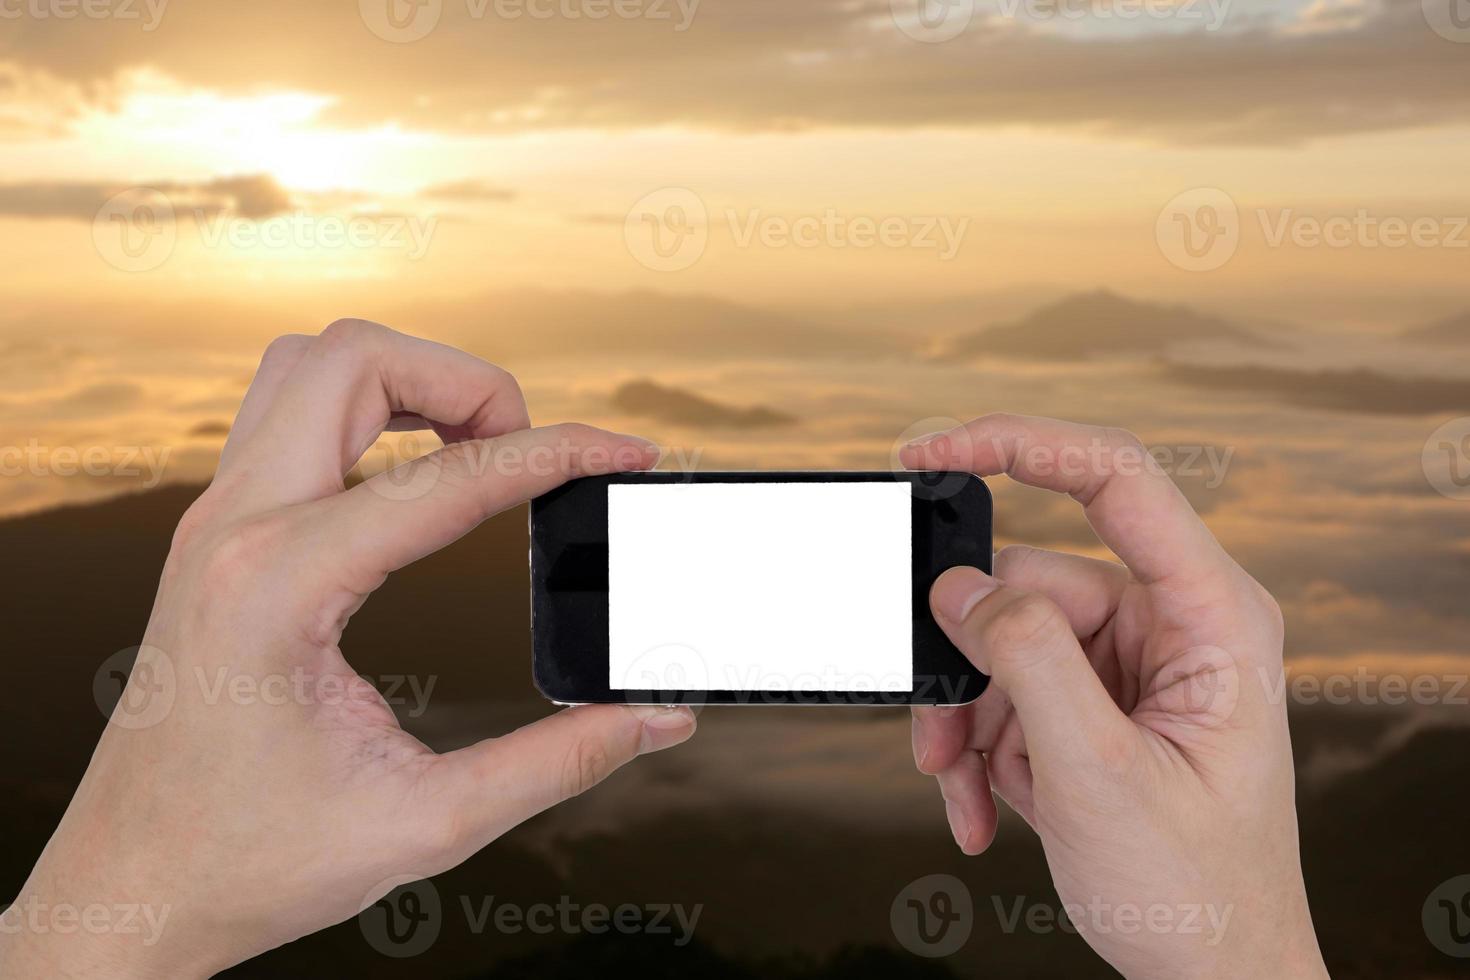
183,181
770,234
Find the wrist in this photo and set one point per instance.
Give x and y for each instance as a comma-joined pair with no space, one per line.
84,913
64,940
1289,951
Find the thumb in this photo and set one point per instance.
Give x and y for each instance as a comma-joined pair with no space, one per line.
1026,645
498,783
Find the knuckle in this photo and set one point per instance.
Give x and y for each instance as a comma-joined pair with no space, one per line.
1023,628
285,349
574,432
462,470
446,830
350,332
241,551
1114,752
191,526
587,763
464,461
1118,438
998,420
508,382
1269,608
1013,558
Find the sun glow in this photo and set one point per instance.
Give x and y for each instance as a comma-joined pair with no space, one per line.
199,131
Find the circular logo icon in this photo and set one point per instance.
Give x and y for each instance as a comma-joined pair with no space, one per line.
932,21
933,916
134,230
401,21
951,442
408,473
401,916
1199,230
671,671
1446,459
1203,685
1450,19
135,688
667,230
1446,917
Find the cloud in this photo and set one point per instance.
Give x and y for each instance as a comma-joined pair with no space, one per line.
101,399
211,428
1450,330
1358,390
468,190
1096,323
676,407
1343,69
254,197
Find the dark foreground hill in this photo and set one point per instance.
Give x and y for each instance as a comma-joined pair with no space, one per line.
786,891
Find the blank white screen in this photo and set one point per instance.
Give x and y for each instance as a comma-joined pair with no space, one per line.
760,586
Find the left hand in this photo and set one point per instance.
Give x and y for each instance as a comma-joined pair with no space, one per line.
246,822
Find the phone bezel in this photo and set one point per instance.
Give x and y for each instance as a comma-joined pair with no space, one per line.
951,525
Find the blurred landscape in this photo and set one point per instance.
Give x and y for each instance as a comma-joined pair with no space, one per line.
793,829
769,235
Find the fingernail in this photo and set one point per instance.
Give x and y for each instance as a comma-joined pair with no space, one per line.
663,727
958,590
958,825
652,452
922,441
921,743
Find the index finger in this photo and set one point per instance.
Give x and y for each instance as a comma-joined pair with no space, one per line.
345,390
1130,501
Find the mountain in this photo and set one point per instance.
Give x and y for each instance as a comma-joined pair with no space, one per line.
1450,330
1357,390
1095,324
533,323
675,406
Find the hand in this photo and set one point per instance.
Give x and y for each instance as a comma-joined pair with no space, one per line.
244,823
1128,719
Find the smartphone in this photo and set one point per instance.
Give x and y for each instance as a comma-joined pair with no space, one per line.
752,588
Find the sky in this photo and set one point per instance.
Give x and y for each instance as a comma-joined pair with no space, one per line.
811,208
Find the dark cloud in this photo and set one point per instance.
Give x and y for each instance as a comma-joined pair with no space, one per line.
776,65
1357,390
103,398
1450,330
468,190
1097,323
211,428
254,197
677,407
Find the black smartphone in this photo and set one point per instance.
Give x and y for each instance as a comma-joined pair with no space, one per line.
752,588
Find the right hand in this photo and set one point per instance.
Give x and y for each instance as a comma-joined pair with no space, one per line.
1130,718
